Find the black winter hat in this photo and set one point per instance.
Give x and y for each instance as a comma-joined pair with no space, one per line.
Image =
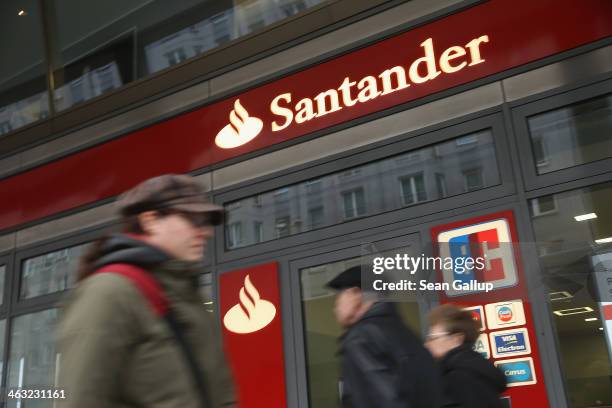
350,278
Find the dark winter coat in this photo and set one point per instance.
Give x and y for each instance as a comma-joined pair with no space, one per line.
470,381
385,365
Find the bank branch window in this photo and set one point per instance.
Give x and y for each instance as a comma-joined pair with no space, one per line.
574,244
2,277
51,272
32,359
572,135
430,173
321,331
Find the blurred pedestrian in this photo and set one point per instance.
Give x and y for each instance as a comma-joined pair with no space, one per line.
134,332
383,363
469,380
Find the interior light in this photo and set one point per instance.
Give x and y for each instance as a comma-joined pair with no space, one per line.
573,311
22,13
601,328
604,240
585,217
590,319
208,303
559,295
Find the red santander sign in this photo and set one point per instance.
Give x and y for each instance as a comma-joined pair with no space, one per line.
253,334
480,41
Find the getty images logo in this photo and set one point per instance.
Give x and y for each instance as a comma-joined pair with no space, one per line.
251,314
241,129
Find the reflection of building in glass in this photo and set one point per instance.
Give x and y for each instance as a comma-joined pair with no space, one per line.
432,173
189,42
572,135
92,83
24,112
567,226
32,360
244,18
50,273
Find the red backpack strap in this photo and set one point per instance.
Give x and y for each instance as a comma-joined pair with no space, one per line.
144,281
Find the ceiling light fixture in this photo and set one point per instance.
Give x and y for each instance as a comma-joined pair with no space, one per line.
560,295
590,319
22,13
604,240
573,311
585,217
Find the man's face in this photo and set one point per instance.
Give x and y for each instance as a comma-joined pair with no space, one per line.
178,234
439,341
348,302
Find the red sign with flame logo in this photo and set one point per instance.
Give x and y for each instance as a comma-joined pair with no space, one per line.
506,306
252,331
483,40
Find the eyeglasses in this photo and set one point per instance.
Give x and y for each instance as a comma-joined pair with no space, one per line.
435,336
196,219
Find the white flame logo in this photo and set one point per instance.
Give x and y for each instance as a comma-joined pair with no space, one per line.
241,129
251,314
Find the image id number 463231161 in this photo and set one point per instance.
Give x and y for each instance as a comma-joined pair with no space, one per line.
48,393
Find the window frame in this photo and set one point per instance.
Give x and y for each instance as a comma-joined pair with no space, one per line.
520,116
23,306
347,249
340,163
411,179
7,262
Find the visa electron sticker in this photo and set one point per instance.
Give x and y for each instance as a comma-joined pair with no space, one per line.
510,343
505,314
518,371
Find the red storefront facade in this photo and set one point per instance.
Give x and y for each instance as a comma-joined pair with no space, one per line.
418,108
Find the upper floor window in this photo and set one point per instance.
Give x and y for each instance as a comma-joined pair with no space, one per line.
434,172
354,203
51,272
572,135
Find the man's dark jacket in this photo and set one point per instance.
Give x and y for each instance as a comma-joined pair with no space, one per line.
385,365
470,381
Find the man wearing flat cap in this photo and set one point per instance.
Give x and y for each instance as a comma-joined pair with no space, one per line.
383,363
134,332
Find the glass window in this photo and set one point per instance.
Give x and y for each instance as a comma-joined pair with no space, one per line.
543,205
23,82
431,173
315,217
283,227
105,45
354,203
2,337
321,331
572,135
206,291
258,231
234,234
49,273
575,248
32,357
441,185
473,179
2,278
413,189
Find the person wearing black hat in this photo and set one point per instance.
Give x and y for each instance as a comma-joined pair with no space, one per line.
383,363
134,332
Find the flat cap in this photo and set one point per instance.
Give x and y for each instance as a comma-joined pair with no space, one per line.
172,191
348,279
